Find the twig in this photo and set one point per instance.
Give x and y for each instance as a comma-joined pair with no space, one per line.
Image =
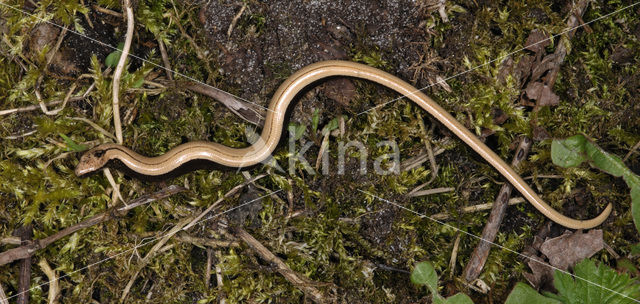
235,20
119,68
293,277
635,147
29,249
430,191
11,240
21,135
454,256
116,187
3,296
157,248
221,295
476,208
165,59
427,145
184,237
54,289
50,56
481,252
106,11
95,126
55,102
207,272
25,233
247,111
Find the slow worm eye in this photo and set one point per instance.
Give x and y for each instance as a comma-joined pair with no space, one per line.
99,153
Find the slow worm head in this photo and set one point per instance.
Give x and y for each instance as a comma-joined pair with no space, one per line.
98,157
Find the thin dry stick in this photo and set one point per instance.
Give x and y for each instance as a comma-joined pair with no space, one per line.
24,285
3,296
165,59
106,11
430,191
29,249
454,256
185,237
50,56
427,145
157,248
95,126
235,20
298,280
55,102
476,208
207,272
221,295
54,289
119,68
635,147
481,252
245,110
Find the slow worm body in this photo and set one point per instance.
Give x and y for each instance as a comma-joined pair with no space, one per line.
98,157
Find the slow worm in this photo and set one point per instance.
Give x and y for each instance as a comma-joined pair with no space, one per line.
98,157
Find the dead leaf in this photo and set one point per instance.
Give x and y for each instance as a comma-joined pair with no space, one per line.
548,63
568,249
537,41
341,90
540,134
523,68
541,274
443,83
542,93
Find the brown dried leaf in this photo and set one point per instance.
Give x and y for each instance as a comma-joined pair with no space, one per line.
341,90
523,68
542,93
541,275
537,41
568,249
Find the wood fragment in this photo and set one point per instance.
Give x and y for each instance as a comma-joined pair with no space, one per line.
476,208
481,252
245,110
3,296
54,288
298,280
25,233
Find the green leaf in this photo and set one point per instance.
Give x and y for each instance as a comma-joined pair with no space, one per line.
635,206
138,83
296,130
315,118
595,284
424,274
568,152
113,57
332,125
524,294
72,145
605,161
459,298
